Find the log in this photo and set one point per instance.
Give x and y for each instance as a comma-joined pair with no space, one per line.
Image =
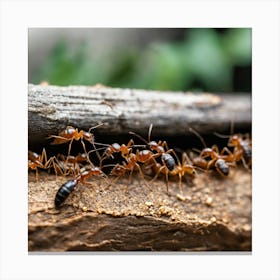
212,214
52,108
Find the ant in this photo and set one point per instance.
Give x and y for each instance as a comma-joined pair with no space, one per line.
70,134
180,169
242,147
65,190
36,161
183,168
166,159
218,160
132,162
70,164
116,148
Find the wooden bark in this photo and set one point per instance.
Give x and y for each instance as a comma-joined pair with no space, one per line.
212,214
52,108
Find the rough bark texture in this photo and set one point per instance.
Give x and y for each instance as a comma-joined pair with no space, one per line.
212,214
52,108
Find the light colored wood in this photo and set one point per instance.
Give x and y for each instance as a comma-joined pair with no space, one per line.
52,108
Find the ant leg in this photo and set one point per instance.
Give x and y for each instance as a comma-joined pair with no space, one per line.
209,164
158,172
215,149
130,143
142,175
44,157
245,164
37,174
180,183
98,155
225,149
166,176
130,176
58,139
69,149
55,164
167,183
165,145
84,146
172,151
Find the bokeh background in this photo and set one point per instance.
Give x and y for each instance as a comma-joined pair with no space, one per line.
196,59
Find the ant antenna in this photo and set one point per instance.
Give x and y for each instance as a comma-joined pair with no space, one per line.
231,131
91,151
198,135
150,132
138,136
221,135
93,127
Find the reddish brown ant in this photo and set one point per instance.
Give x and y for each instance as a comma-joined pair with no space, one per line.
116,148
70,164
180,169
183,168
132,162
242,147
159,148
218,160
70,134
36,161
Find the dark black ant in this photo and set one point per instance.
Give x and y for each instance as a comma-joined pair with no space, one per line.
64,191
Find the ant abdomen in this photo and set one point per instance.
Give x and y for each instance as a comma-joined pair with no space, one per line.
168,160
64,192
246,150
222,167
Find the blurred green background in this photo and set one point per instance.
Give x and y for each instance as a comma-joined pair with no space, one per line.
215,60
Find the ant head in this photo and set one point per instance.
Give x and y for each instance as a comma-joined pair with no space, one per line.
190,169
206,152
153,145
233,140
88,137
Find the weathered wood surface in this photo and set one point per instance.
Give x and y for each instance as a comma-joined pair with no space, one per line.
52,108
213,214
